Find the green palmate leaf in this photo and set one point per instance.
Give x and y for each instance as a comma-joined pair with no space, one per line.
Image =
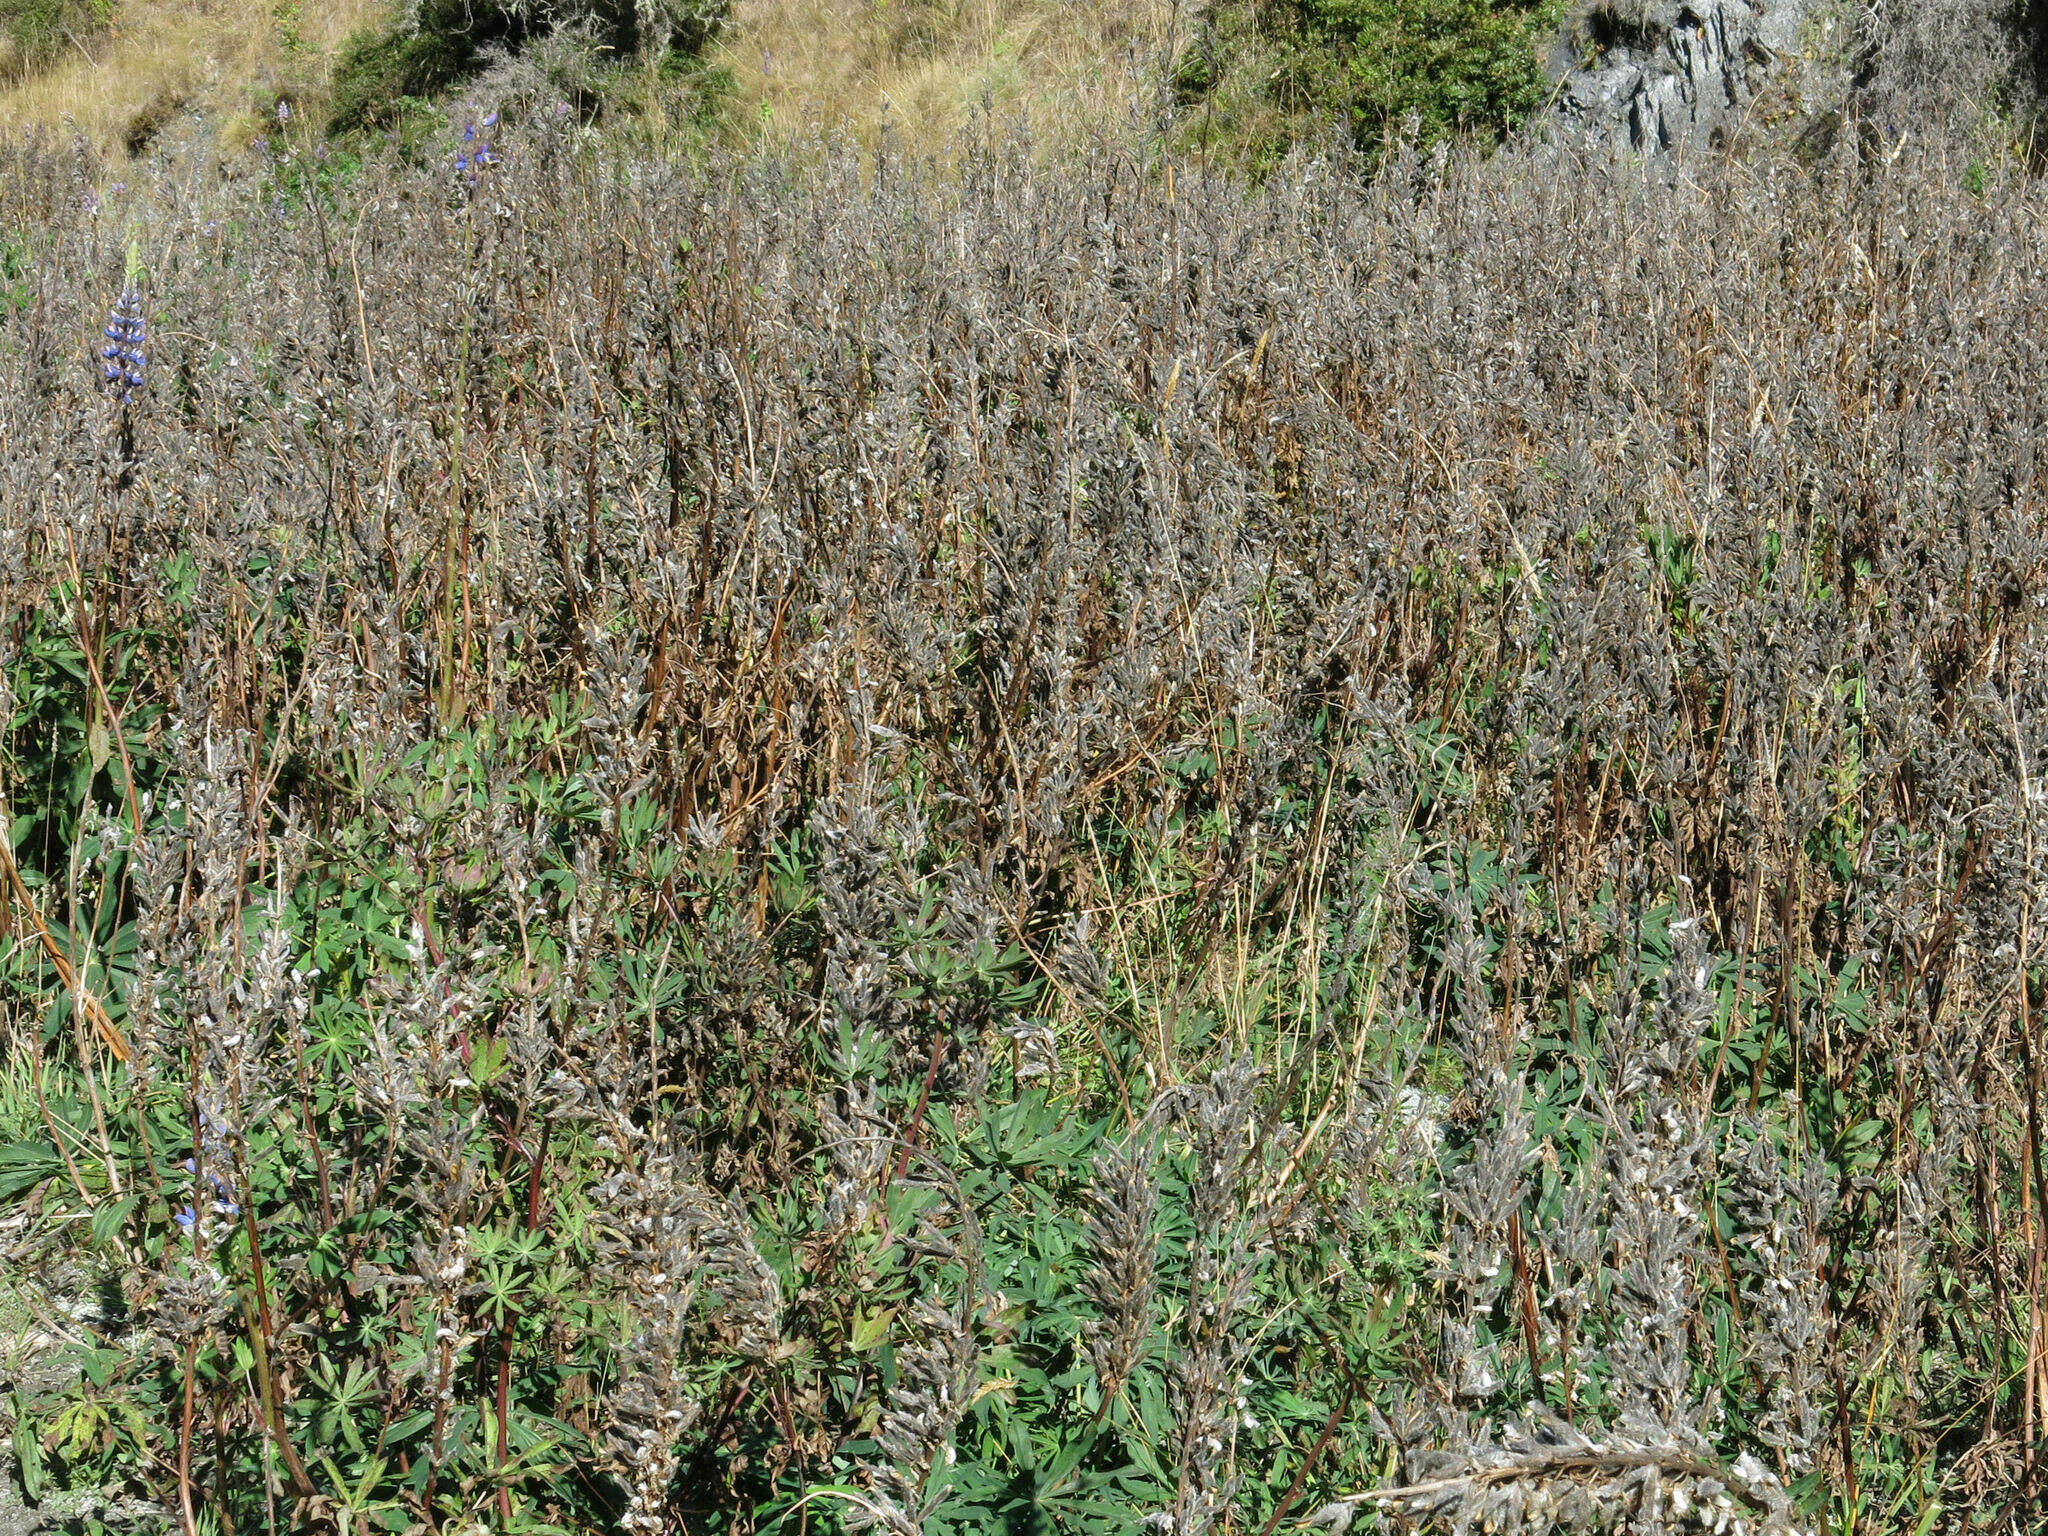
870,1329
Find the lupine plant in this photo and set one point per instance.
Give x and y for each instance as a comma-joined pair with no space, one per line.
796,844
123,354
474,154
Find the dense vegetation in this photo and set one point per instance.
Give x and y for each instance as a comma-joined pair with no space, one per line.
1249,76
791,845
1259,73
32,31
435,44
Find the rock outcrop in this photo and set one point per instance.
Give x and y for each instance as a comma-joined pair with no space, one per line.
1652,75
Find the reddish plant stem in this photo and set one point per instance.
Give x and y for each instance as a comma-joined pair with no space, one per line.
1525,1289
924,1098
1308,1463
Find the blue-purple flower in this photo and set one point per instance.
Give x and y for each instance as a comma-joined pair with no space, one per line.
473,152
122,357
222,1203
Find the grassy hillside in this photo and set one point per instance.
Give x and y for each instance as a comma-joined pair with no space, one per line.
150,60
916,69
925,67
1245,78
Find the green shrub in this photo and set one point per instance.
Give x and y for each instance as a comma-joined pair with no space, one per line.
1270,69
442,41
380,69
34,31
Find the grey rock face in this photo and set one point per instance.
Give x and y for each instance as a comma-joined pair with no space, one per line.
1651,75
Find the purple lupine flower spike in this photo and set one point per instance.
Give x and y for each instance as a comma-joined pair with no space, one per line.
474,151
123,358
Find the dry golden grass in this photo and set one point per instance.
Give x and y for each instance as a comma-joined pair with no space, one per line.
917,69
921,68
222,57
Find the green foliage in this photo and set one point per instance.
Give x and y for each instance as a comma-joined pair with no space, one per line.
1273,69
379,70
72,751
35,31
1045,1446
441,42
15,292
1450,65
